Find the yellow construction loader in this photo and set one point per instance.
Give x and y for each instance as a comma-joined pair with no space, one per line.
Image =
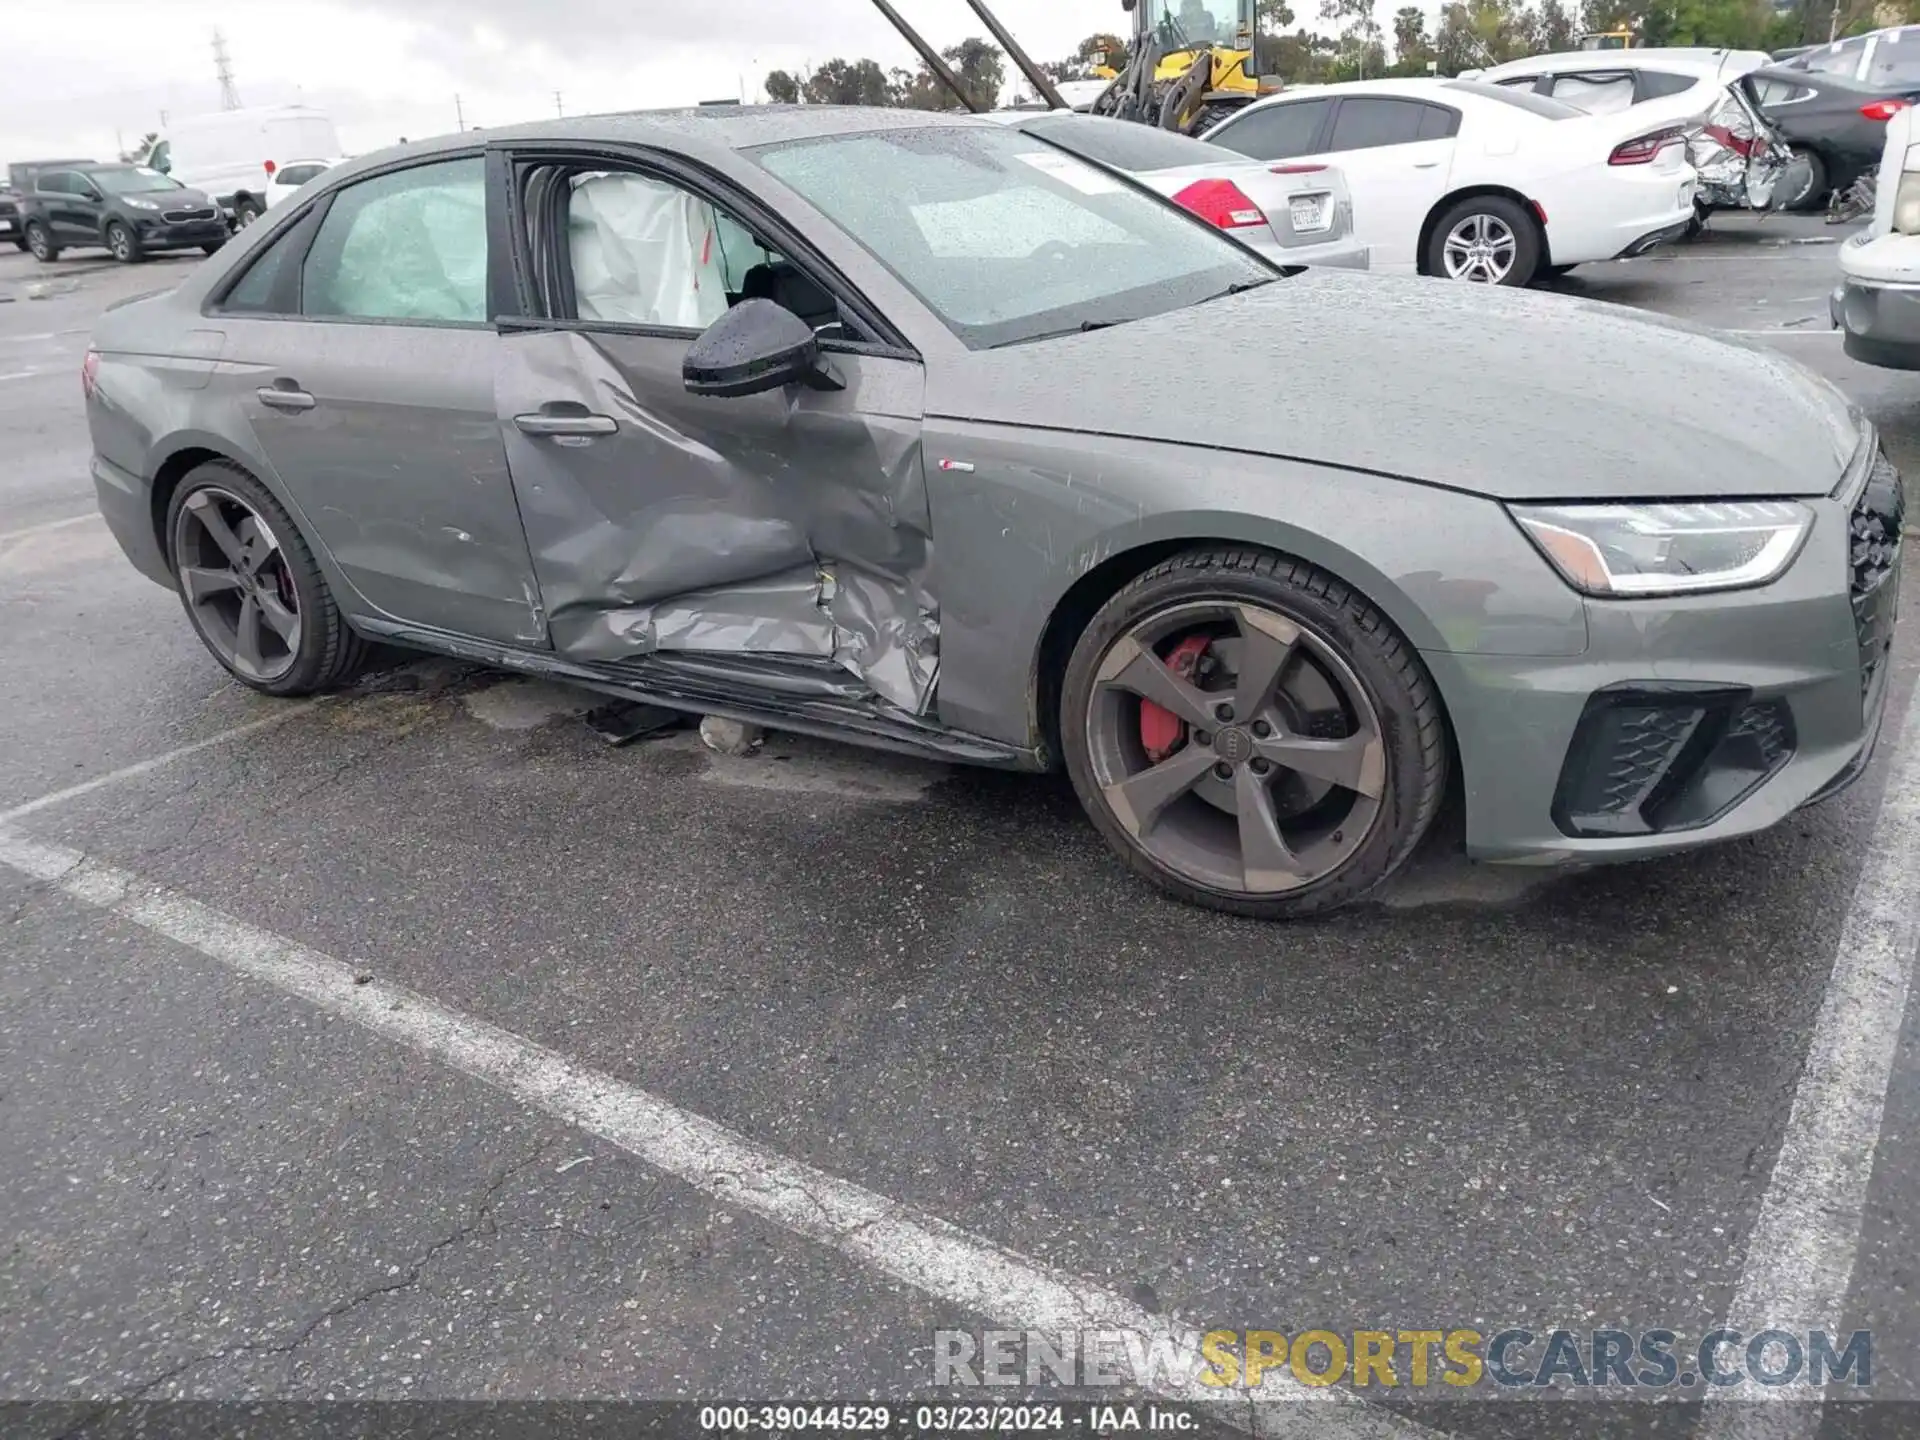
1191,63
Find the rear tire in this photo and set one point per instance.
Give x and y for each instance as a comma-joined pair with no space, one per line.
40,243
246,210
1485,239
325,653
1814,196
1345,678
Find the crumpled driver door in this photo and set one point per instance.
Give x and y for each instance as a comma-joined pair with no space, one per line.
786,533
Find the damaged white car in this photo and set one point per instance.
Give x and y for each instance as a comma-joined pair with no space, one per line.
1877,302
1740,158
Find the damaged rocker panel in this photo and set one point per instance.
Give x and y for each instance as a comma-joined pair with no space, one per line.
798,694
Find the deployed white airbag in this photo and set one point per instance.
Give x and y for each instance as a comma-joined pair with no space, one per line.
644,253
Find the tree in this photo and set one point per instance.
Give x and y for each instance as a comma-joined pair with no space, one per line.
847,82
980,69
1359,35
919,90
783,89
1411,48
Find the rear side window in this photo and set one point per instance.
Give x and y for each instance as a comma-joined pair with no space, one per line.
1658,84
410,245
1123,145
1605,93
1274,132
1368,124
53,182
256,290
299,174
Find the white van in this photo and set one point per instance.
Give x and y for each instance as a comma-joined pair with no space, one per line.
230,154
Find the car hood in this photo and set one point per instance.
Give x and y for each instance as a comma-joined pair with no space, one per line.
1499,392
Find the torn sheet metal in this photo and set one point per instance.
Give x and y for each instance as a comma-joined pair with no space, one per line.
791,524
1737,157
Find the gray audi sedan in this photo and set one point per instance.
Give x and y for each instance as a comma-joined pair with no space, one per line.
917,432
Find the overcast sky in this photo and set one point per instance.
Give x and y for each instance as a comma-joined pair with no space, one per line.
77,74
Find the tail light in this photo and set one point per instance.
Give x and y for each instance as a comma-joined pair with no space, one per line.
89,373
1222,204
1296,169
1642,149
271,167
1883,109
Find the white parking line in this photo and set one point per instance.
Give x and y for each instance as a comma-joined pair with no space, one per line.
1784,330
143,767
1800,1256
920,1250
20,375
45,526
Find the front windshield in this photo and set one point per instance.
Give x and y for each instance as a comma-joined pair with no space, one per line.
1194,22
135,180
1006,238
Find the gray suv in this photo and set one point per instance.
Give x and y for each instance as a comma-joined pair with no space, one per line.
895,428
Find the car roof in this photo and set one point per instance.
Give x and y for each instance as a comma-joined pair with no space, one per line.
695,130
1462,95
1704,63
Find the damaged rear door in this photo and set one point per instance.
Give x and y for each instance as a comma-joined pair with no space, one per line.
773,546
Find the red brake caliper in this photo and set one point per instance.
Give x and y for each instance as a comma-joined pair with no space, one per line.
1161,731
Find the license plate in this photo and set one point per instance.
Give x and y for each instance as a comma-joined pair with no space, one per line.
5,226
1311,212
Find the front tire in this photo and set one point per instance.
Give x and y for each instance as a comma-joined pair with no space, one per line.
1485,240
123,244
40,243
251,588
1251,735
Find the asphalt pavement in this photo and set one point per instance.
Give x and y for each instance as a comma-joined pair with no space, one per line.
415,1043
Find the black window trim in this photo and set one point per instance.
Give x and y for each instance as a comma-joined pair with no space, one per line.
1316,142
301,227
517,285
1342,101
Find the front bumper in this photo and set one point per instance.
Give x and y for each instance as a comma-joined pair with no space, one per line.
1881,322
160,235
1692,719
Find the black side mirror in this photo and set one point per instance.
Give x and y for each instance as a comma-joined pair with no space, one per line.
755,347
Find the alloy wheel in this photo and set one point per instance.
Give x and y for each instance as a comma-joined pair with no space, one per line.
1480,248
237,584
1236,747
121,242
37,242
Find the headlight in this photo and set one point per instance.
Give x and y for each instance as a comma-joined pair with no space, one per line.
1626,550
1906,205
137,203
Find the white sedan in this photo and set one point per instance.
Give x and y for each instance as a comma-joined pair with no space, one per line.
1472,182
284,181
1294,214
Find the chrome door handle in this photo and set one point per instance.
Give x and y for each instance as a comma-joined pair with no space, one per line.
566,424
1426,164
281,399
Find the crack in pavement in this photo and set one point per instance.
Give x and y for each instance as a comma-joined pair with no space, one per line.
482,1221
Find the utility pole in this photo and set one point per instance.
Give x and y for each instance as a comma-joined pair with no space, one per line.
557,110
459,115
223,67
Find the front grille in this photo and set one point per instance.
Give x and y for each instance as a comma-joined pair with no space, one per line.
182,217
1874,532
